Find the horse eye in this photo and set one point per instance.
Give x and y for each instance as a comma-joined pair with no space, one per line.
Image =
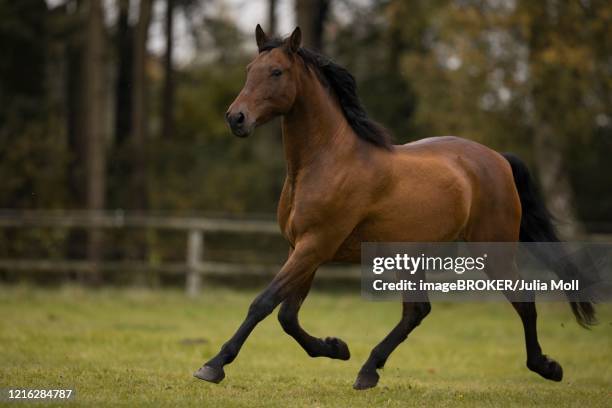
276,72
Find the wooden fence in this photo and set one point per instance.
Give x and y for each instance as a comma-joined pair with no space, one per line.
196,228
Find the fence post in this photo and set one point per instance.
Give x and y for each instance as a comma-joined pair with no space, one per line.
195,247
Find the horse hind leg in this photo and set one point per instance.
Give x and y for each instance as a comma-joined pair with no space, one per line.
493,228
412,315
526,309
536,361
331,347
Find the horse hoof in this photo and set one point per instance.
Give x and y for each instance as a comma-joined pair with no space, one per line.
547,368
339,348
210,374
366,380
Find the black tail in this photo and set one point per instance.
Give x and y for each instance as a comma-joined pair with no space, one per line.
537,226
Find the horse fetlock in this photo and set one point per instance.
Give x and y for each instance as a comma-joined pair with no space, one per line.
421,313
381,363
546,367
337,349
287,318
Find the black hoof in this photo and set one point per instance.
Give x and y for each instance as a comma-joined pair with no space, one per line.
210,374
366,380
339,349
547,368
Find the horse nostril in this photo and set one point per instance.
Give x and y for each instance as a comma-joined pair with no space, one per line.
240,118
227,115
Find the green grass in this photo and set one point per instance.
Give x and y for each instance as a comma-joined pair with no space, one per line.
140,347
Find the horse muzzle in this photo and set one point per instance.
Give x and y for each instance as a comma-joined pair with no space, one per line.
238,123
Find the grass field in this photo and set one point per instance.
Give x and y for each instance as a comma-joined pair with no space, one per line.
139,348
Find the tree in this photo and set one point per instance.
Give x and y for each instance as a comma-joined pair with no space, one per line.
383,86
526,76
123,92
138,188
272,24
168,92
557,35
311,17
23,65
94,123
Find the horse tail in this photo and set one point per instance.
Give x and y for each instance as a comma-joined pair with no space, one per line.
537,226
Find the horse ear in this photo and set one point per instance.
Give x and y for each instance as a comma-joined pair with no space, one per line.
260,37
295,40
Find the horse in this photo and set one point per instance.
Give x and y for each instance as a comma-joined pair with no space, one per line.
346,183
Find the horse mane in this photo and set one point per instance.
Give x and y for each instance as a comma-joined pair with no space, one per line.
343,84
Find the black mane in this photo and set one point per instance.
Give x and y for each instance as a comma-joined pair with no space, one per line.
343,84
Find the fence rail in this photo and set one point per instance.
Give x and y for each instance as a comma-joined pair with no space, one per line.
195,227
120,219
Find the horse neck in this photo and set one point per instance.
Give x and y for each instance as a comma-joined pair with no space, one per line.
314,127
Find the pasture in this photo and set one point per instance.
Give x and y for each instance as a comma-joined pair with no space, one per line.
136,347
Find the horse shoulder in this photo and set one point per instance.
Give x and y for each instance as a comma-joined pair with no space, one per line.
327,202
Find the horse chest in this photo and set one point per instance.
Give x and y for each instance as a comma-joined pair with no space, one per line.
300,207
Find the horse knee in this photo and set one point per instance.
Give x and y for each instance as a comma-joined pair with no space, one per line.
287,318
420,312
261,307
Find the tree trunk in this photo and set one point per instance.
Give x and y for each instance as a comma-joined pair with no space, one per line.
395,42
75,115
311,16
94,126
272,23
138,199
123,104
168,94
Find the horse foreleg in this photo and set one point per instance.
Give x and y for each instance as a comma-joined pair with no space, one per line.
412,315
296,273
331,347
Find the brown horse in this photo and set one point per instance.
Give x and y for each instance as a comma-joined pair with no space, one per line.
347,184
